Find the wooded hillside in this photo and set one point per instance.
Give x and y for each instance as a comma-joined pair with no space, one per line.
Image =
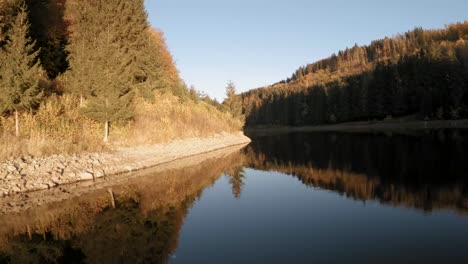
74,72
422,72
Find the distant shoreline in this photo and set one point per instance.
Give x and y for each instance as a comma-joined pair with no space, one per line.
368,126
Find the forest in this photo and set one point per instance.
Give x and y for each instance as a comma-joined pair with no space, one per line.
77,74
421,73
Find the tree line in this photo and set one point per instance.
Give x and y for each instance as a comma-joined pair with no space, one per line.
421,72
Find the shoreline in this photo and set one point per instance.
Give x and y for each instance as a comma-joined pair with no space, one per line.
52,200
367,126
26,175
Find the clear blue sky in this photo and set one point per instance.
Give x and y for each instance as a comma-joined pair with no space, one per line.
259,42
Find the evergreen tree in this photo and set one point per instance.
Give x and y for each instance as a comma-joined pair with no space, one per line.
20,71
159,67
417,73
49,31
117,34
232,103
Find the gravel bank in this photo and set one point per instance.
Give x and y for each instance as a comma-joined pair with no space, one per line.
33,174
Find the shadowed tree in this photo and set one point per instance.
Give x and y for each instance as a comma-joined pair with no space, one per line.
49,31
20,71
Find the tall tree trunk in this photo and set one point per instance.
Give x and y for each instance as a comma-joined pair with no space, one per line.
17,132
106,132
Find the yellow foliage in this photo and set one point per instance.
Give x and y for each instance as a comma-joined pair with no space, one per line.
168,119
58,127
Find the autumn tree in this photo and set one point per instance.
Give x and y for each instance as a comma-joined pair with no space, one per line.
20,69
161,70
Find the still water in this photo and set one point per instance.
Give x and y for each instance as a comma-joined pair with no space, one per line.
285,198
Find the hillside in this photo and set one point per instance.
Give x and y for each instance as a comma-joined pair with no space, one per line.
87,76
421,72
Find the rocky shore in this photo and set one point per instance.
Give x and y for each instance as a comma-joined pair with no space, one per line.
29,174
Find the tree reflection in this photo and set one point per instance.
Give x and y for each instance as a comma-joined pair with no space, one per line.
143,227
427,171
236,180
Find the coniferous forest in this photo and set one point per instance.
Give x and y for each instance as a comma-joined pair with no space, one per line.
76,74
422,73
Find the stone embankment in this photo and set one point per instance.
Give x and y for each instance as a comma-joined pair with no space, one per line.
32,174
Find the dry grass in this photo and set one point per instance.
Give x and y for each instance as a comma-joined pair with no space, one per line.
168,118
58,127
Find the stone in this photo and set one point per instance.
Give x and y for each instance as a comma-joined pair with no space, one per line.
52,184
22,165
12,177
86,176
99,173
42,186
11,168
55,180
69,175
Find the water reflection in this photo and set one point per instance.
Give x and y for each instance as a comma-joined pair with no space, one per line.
143,227
140,219
425,171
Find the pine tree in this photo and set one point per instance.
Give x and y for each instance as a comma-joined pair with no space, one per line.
232,104
108,77
20,70
159,67
7,11
81,76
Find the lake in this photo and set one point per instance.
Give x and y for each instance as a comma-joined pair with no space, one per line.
286,198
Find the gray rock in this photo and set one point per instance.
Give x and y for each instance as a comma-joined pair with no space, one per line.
43,186
69,175
86,176
99,173
55,180
11,176
52,184
11,168
21,165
